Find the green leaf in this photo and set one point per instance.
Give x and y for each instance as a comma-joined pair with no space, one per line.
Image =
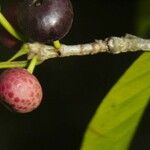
115,121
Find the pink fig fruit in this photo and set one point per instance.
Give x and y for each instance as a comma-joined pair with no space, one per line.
20,90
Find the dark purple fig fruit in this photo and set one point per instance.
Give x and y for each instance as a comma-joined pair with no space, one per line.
9,10
45,20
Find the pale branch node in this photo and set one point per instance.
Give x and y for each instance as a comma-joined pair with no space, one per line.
114,45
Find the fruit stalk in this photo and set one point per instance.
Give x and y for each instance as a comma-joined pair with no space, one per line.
9,27
13,64
23,50
32,64
57,44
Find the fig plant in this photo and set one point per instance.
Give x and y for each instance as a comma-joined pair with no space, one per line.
47,21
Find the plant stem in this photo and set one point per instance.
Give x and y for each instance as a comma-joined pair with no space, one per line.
13,64
32,64
57,44
113,45
9,27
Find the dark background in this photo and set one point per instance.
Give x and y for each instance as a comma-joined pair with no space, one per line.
74,87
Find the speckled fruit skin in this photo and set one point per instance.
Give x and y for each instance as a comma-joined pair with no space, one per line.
45,20
9,10
20,90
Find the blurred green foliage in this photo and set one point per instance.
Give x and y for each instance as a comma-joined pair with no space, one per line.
117,117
